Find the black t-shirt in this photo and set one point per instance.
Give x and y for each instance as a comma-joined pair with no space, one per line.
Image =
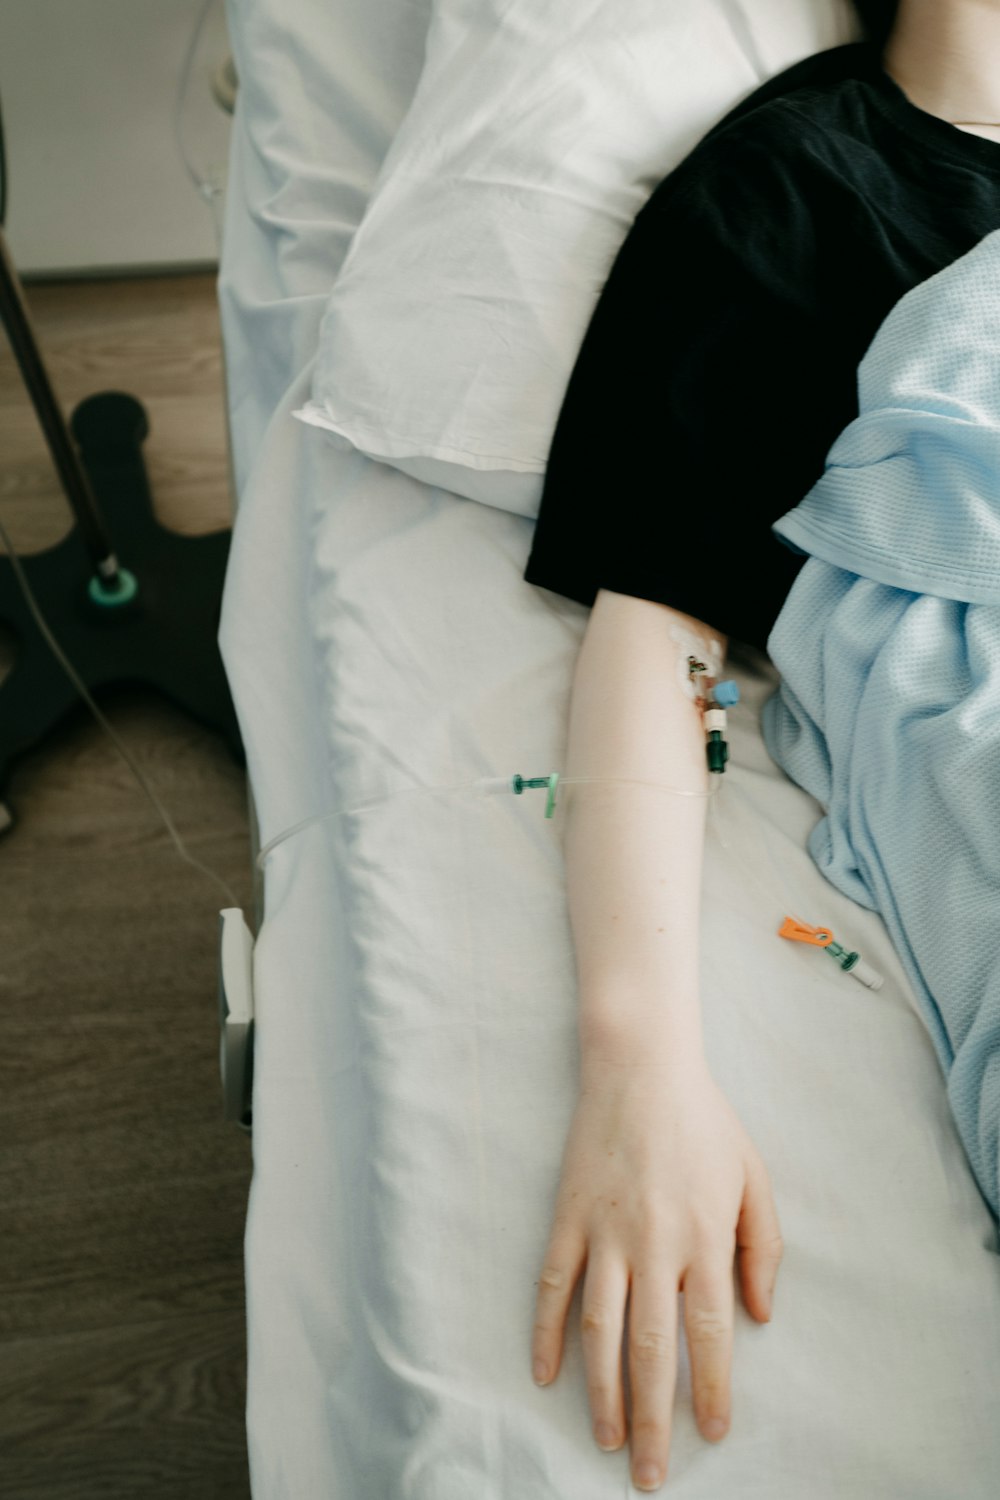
721,360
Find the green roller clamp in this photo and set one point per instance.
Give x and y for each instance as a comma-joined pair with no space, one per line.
520,784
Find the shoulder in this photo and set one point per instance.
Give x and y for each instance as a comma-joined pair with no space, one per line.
816,84
776,140
761,190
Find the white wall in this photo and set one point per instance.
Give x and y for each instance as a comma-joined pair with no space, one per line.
96,183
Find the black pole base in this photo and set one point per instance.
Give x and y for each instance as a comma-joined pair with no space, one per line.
163,636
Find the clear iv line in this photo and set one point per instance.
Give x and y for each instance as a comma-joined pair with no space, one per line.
208,190
487,785
123,750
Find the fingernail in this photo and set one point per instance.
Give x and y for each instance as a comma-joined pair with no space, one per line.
606,1435
714,1429
540,1372
647,1476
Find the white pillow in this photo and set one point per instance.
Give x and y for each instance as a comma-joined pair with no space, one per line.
322,91
538,130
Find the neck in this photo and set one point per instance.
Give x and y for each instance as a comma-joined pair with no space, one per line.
943,54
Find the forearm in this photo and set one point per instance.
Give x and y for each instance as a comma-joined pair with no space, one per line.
634,853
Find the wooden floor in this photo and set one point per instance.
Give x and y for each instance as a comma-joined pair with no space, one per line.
123,1190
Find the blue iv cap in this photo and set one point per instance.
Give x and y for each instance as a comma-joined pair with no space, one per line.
726,693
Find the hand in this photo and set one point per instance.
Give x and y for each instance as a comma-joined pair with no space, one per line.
660,1186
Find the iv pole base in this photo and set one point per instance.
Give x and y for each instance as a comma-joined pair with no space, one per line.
161,632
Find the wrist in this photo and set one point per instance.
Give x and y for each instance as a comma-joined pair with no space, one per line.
631,1043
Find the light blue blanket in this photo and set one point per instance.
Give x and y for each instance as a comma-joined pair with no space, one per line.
889,652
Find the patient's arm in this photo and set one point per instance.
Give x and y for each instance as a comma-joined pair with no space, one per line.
659,1180
633,855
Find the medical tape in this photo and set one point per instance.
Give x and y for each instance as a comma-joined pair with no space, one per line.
704,649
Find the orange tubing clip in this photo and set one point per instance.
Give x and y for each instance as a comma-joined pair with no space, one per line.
801,932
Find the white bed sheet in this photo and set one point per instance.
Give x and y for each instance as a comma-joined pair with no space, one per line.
417,1064
416,1056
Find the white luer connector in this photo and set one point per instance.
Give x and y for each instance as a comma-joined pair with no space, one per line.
715,718
866,975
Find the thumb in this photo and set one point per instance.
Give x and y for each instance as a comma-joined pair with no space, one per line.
758,1238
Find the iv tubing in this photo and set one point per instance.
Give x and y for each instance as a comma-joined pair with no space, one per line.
487,785
123,750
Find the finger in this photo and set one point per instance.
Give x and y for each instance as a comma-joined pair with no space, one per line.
708,1324
758,1236
564,1258
652,1363
605,1292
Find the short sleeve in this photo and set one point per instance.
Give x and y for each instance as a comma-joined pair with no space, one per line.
703,400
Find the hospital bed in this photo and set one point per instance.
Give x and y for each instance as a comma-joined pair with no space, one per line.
415,1026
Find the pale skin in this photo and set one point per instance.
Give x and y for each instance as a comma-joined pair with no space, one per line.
945,56
661,1189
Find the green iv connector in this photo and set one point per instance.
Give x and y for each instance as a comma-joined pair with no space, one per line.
718,751
844,959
